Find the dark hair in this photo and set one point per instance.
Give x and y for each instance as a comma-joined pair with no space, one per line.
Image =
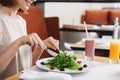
8,3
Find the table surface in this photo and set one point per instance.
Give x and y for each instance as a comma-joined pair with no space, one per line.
103,72
105,30
102,47
89,27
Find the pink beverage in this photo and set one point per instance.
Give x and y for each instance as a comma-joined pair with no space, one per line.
89,48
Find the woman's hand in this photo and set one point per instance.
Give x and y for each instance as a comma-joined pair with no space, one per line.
33,40
36,43
52,43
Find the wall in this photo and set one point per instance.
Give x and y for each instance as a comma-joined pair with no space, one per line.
70,12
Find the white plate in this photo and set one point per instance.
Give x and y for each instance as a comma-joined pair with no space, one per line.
90,66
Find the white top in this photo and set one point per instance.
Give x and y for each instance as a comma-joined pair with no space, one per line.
10,30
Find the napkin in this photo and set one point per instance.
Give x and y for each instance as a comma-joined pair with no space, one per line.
34,75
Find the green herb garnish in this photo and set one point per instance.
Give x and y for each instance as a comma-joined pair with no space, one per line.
64,60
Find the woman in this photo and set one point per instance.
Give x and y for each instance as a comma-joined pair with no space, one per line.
15,44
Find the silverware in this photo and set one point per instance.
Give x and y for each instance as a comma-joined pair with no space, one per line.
52,53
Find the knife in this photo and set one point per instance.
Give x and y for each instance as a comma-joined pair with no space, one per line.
51,52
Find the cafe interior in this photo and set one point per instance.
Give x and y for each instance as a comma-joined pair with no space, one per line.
86,29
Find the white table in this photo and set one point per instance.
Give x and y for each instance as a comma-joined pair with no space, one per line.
102,71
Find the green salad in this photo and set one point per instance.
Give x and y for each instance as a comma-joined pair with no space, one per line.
63,60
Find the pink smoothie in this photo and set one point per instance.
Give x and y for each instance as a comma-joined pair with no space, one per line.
89,47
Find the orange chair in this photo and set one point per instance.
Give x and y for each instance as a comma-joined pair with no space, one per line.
95,17
112,15
102,17
44,27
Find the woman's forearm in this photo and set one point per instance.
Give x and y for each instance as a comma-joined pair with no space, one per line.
7,55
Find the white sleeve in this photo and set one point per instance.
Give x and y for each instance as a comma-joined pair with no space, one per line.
1,30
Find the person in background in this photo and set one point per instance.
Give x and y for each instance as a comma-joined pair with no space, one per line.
18,51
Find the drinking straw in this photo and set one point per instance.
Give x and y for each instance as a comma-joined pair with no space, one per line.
86,30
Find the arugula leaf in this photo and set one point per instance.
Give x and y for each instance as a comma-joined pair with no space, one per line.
64,60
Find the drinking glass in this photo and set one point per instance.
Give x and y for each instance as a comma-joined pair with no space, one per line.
89,49
114,51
